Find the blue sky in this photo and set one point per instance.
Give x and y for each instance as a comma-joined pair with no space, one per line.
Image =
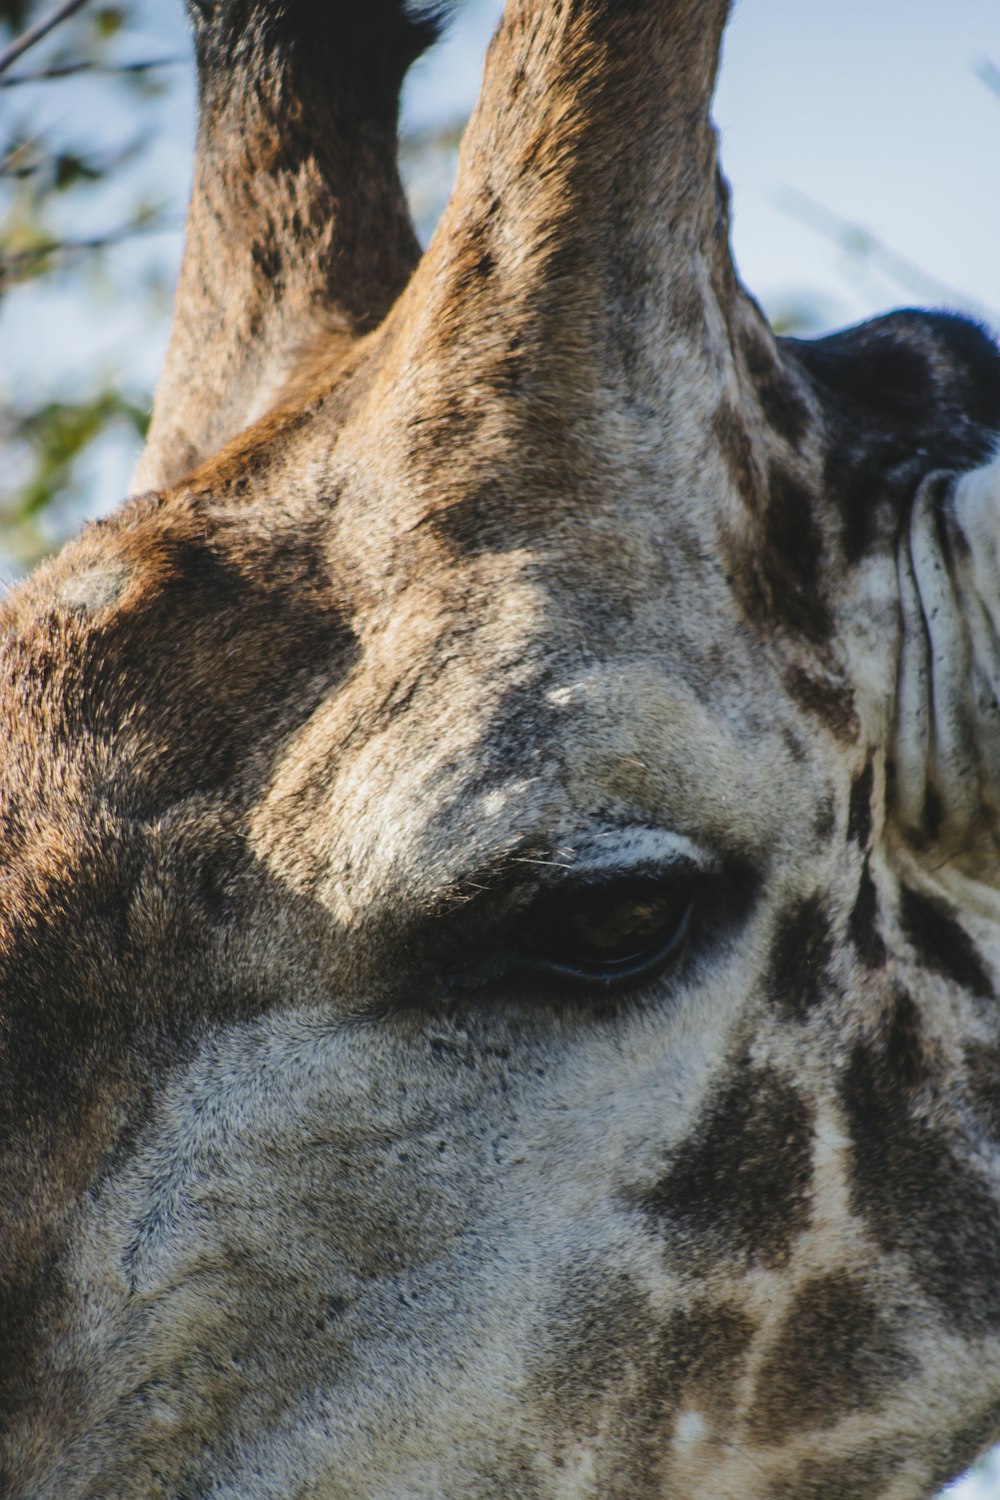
875,111
872,109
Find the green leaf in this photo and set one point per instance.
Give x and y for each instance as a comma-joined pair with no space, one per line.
109,20
69,168
14,14
57,435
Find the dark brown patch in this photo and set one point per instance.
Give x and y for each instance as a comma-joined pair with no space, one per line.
932,814
699,1353
729,431
941,943
835,1326
485,265
859,816
983,1072
696,1356
791,558
522,716
889,792
471,300
477,523
848,1478
63,966
23,1301
740,1188
800,956
829,701
794,744
976,1434
686,309
508,372
825,822
601,1325
155,681
862,924
370,47
514,1475
610,1355
916,1195
784,409
904,1048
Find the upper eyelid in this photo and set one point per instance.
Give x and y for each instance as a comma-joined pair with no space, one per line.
636,850
479,920
598,857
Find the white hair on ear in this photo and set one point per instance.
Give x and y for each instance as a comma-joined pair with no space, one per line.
947,709
977,511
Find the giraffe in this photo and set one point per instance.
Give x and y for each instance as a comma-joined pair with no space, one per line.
499,916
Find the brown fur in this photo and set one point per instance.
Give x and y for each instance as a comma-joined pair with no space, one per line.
550,570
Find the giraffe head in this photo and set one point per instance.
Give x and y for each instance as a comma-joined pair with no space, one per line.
498,896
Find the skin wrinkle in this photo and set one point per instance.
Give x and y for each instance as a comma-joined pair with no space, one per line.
526,578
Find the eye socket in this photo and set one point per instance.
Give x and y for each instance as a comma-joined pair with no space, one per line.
608,933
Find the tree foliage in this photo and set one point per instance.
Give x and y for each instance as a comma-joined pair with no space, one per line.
73,205
68,200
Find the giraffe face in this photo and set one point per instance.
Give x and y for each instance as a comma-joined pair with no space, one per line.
436,1187
500,949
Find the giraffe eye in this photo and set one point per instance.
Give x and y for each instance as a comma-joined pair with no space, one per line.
608,933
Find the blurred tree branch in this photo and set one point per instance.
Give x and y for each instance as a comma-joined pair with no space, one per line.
40,29
988,71
74,195
37,258
67,70
865,248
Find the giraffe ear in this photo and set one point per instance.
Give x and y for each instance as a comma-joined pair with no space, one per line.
946,754
298,226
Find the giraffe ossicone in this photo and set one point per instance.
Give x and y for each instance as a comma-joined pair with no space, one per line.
499,897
